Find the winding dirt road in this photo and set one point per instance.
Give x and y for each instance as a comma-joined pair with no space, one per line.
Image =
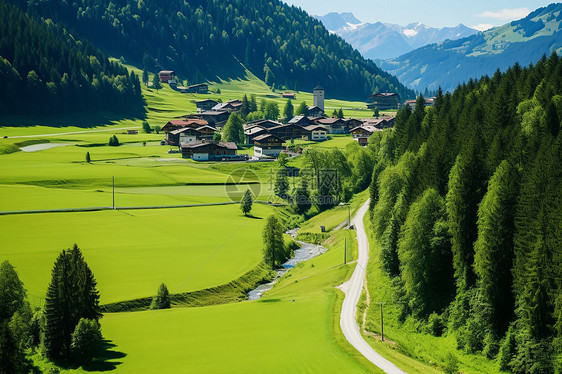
352,289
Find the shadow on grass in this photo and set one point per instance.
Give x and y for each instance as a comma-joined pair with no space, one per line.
106,359
252,217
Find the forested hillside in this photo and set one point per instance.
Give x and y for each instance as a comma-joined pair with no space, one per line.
467,207
44,69
206,39
453,62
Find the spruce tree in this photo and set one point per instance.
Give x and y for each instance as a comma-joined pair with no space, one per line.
246,202
302,109
162,299
88,159
288,111
156,82
281,186
273,243
12,293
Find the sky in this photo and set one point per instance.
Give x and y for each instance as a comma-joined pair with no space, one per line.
479,14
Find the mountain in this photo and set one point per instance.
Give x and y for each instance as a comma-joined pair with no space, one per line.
385,40
210,39
45,69
450,63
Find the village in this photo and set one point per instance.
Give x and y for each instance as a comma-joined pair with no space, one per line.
197,136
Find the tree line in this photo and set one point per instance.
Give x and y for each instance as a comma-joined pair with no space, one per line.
466,205
205,39
45,69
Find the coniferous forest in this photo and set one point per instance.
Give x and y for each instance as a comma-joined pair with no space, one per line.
205,39
44,69
466,203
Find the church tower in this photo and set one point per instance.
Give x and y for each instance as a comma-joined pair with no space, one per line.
318,95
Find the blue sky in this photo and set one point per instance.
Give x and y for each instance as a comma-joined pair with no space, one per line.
479,14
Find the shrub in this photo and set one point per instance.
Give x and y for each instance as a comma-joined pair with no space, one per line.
435,325
113,141
451,364
146,127
86,340
162,299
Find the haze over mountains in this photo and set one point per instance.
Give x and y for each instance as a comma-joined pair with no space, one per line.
452,62
385,40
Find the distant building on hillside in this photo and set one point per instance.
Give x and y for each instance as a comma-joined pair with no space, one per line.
204,105
209,151
268,145
412,103
167,76
228,106
198,88
384,101
289,95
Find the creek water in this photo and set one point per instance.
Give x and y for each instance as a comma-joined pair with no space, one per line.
305,252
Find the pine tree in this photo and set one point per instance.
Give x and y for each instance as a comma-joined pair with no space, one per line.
156,82
145,77
246,202
88,159
162,299
281,186
12,293
273,243
245,109
301,198
340,114
302,109
288,111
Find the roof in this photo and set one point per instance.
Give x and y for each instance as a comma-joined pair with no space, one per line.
299,118
254,130
384,94
231,103
188,122
211,113
314,107
319,87
228,145
368,128
329,121
314,127
262,123
198,85
167,72
289,94
265,136
206,101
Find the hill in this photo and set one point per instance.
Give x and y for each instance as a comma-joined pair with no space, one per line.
385,40
45,69
452,62
207,40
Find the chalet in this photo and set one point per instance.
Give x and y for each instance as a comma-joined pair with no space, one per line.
412,103
229,106
315,111
333,125
268,145
204,105
217,119
167,76
254,131
266,123
198,88
382,122
301,121
173,125
317,133
362,133
189,135
352,123
209,151
290,131
289,95
384,101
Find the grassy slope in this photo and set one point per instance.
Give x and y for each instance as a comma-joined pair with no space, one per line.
429,350
131,253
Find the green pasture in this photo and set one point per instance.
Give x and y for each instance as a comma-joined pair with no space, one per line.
412,350
132,252
293,329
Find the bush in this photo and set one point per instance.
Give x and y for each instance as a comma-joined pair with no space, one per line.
86,340
162,299
435,325
114,142
451,364
157,129
146,127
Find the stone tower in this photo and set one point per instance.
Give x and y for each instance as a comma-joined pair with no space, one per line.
318,94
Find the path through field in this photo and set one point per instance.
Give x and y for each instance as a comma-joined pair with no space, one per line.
352,289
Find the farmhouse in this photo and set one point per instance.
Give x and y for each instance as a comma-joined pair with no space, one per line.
268,145
315,111
317,133
198,88
290,131
212,117
189,135
333,125
254,131
384,101
208,151
412,103
266,123
289,95
204,105
167,76
229,106
301,121
173,125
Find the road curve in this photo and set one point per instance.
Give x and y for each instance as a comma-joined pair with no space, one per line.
352,289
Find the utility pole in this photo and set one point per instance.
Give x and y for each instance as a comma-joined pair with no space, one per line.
382,325
345,252
113,192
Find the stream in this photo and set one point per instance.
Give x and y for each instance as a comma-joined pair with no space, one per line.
305,252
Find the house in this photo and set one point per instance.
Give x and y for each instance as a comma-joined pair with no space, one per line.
384,101
198,88
289,95
289,131
213,118
382,122
266,123
412,103
362,133
254,131
172,137
301,121
333,125
167,76
132,132
208,151
315,111
204,105
352,123
268,145
317,133
229,106
194,135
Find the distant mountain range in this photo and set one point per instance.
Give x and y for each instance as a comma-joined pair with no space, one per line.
452,62
385,40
